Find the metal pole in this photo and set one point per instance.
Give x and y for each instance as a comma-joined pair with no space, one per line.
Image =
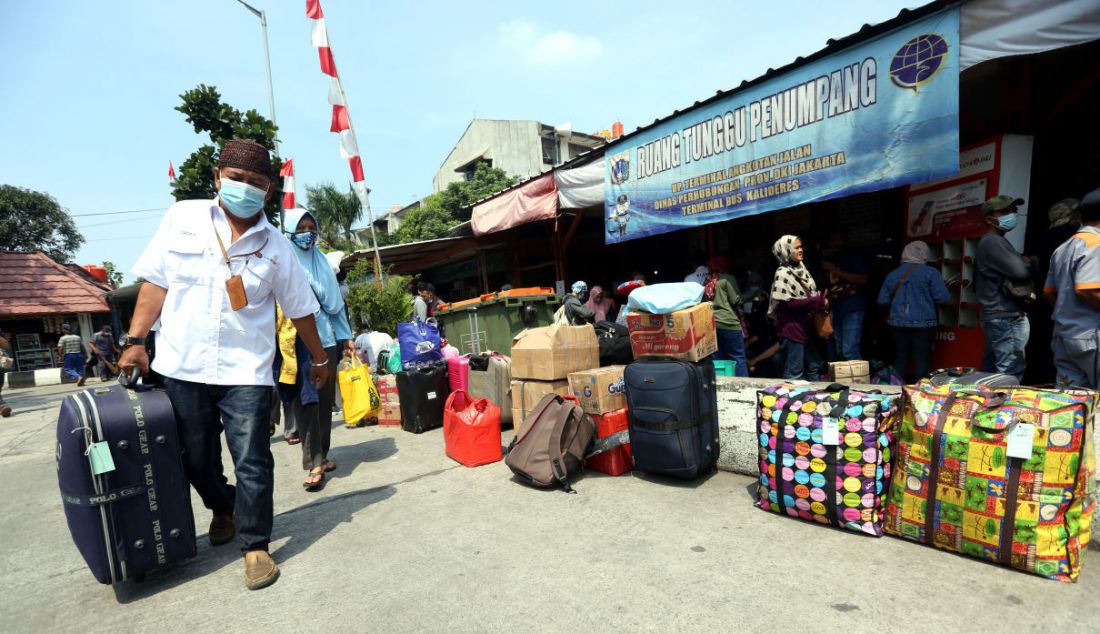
267,61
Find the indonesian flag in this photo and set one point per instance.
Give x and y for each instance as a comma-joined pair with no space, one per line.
287,172
171,172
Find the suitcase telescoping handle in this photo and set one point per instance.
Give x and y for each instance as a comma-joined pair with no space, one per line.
132,380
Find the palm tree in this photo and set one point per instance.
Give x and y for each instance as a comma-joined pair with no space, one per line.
335,211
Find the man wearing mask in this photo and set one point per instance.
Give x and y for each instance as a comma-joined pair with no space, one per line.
213,272
575,311
1002,276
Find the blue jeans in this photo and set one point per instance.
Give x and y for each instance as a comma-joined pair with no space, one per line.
1005,341
74,365
731,347
202,412
847,335
801,360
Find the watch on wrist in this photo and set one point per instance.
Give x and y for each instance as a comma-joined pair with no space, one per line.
133,341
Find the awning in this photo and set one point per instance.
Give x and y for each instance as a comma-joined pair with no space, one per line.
999,28
534,200
580,187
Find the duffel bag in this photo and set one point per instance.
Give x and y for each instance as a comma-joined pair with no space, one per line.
614,340
419,342
471,430
1002,475
825,454
551,447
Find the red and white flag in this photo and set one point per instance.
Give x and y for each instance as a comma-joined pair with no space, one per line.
171,172
287,172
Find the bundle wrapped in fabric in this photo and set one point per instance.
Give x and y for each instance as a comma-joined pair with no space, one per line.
1003,474
825,454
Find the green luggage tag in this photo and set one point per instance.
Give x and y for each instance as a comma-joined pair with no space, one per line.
100,456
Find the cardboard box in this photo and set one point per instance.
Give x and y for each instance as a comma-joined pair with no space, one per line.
850,372
601,390
689,335
551,353
527,394
390,416
387,388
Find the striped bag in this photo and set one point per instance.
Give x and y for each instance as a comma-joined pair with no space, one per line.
962,482
825,454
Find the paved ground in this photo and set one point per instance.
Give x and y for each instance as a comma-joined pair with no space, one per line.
403,539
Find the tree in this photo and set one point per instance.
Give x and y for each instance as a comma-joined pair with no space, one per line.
376,309
34,221
114,276
458,198
221,122
428,222
334,210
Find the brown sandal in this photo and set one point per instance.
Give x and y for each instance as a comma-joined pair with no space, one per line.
314,480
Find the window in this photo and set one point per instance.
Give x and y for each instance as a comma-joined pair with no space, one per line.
550,151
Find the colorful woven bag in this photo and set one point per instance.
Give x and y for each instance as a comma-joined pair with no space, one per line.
957,486
825,454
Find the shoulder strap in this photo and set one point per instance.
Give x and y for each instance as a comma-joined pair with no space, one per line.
897,286
555,452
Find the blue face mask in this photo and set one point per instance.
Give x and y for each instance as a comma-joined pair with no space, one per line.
1008,222
241,199
304,240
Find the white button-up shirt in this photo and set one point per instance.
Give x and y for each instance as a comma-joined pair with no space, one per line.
201,338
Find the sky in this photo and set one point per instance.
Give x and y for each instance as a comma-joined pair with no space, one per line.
89,88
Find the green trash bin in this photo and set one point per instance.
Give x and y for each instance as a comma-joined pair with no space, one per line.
488,323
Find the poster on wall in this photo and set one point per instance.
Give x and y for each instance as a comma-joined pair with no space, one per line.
877,115
954,208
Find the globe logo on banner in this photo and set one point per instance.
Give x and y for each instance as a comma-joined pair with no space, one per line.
918,60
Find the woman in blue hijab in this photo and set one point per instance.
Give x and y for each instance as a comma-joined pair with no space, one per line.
313,410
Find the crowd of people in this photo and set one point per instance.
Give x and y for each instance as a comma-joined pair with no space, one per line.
781,330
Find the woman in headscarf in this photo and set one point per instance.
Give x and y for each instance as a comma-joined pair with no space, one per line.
313,407
599,303
912,292
794,300
726,302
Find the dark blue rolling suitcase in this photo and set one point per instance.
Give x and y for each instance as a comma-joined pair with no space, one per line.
134,516
673,417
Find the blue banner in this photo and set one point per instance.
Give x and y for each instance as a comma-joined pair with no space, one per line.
880,114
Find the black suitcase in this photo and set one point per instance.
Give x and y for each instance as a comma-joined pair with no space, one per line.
423,390
136,517
673,417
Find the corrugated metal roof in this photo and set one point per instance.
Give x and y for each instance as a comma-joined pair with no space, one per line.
33,285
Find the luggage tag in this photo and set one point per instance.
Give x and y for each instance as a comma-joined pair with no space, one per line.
830,431
234,286
99,454
1020,439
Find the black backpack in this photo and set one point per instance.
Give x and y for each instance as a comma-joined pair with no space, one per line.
614,340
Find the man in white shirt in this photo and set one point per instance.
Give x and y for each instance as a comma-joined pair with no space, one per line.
213,272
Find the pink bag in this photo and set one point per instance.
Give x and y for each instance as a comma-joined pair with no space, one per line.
450,352
458,373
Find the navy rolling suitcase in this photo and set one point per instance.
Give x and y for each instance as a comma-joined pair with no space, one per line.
673,417
122,482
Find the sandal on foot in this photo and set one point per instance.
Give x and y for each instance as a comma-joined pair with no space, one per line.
329,466
293,440
314,480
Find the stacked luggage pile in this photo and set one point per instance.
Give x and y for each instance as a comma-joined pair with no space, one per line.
963,462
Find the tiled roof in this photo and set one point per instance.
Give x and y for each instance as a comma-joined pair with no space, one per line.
32,285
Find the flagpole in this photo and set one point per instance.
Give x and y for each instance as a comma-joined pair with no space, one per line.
364,197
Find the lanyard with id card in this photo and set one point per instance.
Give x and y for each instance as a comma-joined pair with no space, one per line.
234,285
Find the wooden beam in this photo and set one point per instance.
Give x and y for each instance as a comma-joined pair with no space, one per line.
483,266
572,230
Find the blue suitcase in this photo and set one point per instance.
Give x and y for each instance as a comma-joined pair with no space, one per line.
673,417
135,517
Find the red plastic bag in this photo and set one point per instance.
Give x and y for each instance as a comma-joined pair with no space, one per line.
471,430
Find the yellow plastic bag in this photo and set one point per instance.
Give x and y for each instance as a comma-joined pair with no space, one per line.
361,398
